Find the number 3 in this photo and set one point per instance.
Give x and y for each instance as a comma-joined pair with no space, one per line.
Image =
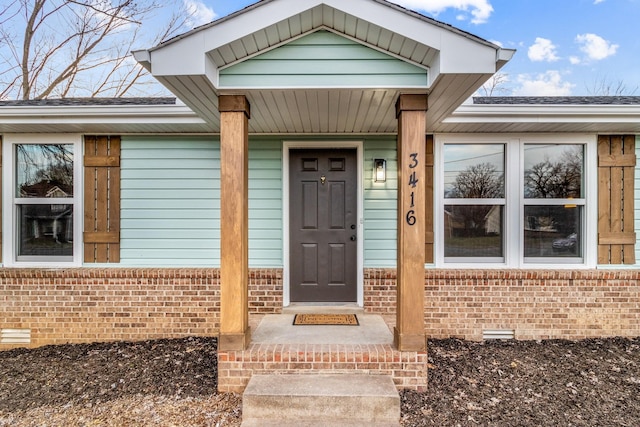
414,157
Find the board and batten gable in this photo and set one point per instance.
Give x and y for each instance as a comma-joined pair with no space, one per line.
323,59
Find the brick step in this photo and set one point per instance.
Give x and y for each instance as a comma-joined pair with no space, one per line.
313,400
235,368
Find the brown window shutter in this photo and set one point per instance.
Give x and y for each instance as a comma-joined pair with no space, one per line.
101,199
616,168
428,238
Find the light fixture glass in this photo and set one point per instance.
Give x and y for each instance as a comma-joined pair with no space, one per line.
380,170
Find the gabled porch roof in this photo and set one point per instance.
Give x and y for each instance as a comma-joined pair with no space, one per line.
458,63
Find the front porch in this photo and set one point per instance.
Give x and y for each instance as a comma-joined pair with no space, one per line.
279,347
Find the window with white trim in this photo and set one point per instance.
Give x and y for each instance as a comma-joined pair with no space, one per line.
474,200
553,202
515,202
42,190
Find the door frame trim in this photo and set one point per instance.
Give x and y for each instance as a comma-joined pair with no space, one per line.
311,145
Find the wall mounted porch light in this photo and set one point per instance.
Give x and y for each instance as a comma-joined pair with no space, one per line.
379,170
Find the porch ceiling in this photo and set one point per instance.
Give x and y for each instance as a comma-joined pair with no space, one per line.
458,64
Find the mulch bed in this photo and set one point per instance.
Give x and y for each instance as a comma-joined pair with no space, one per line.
173,382
592,382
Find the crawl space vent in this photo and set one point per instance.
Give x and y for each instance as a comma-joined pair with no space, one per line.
498,334
15,336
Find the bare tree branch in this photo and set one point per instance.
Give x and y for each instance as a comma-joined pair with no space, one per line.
496,85
70,47
603,86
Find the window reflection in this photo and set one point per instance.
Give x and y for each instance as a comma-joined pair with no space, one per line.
45,230
473,230
553,171
473,171
44,171
552,231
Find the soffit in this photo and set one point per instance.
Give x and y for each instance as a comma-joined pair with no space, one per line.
525,118
324,17
458,64
101,119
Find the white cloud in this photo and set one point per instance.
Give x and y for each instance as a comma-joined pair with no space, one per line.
549,83
480,9
199,13
598,1
595,47
574,60
543,50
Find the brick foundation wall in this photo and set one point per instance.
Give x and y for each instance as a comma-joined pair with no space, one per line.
104,304
536,304
235,368
108,304
265,291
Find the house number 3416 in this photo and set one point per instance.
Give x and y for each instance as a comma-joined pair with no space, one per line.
413,182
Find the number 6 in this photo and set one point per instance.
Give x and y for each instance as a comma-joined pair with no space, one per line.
411,217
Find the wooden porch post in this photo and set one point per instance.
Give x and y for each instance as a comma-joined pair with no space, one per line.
409,331
234,223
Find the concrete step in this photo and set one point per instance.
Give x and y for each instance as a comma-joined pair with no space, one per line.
321,400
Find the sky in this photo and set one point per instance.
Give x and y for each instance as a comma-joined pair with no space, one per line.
564,47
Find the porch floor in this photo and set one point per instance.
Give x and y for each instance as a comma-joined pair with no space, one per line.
279,329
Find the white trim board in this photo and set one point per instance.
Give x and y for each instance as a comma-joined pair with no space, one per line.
9,212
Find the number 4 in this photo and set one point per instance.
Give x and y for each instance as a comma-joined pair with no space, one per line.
413,181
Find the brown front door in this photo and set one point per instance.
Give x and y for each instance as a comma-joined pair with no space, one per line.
323,225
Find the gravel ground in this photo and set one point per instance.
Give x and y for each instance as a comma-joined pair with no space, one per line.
173,383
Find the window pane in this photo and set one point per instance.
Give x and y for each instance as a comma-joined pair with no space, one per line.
553,171
45,230
473,231
44,170
474,171
552,231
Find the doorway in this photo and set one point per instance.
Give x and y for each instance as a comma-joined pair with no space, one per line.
323,225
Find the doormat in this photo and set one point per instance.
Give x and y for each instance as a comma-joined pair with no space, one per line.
326,319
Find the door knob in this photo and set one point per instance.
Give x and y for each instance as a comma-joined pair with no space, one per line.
354,238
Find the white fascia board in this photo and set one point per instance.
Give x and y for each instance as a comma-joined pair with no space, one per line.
503,56
385,15
182,58
99,114
240,24
545,113
143,57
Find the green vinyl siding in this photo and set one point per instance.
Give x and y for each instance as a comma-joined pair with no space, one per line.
323,59
170,204
265,203
380,206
